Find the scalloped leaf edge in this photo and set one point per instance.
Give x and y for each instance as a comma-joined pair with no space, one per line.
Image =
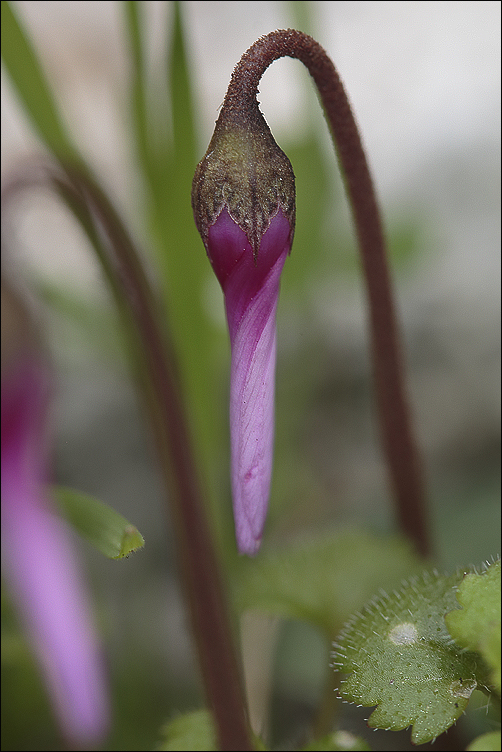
403,630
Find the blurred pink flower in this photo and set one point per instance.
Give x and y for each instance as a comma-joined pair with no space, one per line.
39,561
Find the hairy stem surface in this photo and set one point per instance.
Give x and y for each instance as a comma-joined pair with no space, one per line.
399,443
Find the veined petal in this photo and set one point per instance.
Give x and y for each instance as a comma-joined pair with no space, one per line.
251,287
252,387
40,566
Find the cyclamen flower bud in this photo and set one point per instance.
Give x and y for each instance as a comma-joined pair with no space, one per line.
243,198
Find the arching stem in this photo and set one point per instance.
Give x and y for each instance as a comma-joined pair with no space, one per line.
399,443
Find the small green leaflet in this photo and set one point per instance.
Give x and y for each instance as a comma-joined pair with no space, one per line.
190,731
98,523
477,625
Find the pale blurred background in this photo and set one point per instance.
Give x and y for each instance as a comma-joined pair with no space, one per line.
424,81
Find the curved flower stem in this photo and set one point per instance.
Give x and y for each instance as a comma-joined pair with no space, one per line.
197,557
396,425
198,562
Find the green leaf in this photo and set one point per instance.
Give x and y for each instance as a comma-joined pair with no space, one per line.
133,12
490,649
31,85
194,731
338,741
181,91
402,659
98,523
181,252
312,253
490,742
162,113
324,579
191,731
477,626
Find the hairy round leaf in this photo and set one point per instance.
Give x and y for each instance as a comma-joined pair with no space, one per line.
400,657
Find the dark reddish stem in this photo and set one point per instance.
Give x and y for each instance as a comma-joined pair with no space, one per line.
198,561
396,425
199,565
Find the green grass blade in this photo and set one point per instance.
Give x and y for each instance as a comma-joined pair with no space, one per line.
31,85
181,93
182,260
138,98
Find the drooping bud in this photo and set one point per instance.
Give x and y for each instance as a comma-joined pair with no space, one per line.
243,198
245,171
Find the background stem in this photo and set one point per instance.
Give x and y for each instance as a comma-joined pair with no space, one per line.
197,559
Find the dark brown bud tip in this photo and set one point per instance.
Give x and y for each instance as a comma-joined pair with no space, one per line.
245,171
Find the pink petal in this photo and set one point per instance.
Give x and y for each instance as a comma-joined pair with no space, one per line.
251,288
41,569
